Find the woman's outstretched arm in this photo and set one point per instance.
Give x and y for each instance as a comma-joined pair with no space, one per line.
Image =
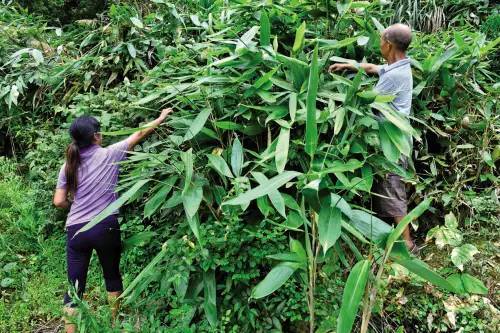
138,136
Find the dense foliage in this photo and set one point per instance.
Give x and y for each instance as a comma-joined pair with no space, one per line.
250,211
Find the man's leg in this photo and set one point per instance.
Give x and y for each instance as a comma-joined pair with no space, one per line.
406,233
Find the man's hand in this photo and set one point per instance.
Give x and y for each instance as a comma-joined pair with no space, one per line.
165,113
369,68
340,67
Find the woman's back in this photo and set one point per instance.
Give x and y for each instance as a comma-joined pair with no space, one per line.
97,179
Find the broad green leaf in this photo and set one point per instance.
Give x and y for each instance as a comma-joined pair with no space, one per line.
197,124
329,226
297,248
292,105
37,55
444,236
299,38
391,152
124,131
353,292
398,138
264,78
191,199
339,120
246,39
194,224
281,156
210,297
418,267
411,216
237,157
159,197
312,90
187,158
275,196
343,6
370,226
394,117
339,166
466,283
131,50
378,25
340,203
144,274
265,29
274,280
114,206
294,220
261,190
137,22
220,165
327,44
463,254
450,220
138,239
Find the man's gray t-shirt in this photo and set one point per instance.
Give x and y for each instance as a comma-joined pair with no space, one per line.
396,79
97,179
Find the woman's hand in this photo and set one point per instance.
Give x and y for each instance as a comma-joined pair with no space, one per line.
138,136
164,113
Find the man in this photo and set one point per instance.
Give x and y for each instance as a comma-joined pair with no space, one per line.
395,79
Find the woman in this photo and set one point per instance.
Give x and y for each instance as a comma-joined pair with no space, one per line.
89,177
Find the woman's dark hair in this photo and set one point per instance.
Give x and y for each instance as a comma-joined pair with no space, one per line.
82,132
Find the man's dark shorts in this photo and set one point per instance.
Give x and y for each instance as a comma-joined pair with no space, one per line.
392,188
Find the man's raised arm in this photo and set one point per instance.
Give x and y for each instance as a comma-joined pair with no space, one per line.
369,68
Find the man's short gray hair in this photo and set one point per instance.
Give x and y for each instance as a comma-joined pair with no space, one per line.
398,35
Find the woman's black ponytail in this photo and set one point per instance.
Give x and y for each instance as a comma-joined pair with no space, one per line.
82,132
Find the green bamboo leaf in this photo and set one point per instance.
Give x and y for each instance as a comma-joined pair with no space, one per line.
210,297
159,197
299,38
421,269
237,157
187,158
394,117
197,124
312,90
113,207
264,189
275,196
339,120
353,292
378,25
398,138
131,50
292,105
191,199
220,165
340,166
391,152
138,239
194,224
274,280
370,226
411,216
265,29
281,156
143,275
329,226
137,22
